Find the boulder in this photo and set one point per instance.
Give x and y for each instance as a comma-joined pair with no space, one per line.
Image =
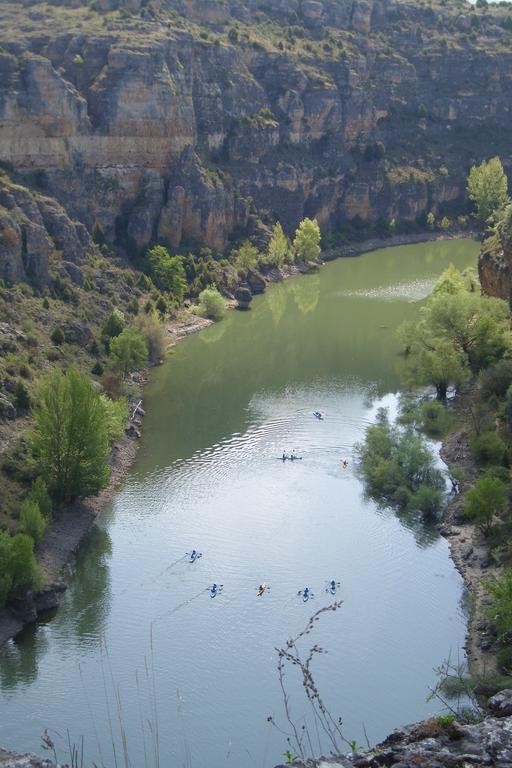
501,703
77,333
46,600
256,281
243,296
7,409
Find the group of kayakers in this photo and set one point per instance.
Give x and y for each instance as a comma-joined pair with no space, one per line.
261,589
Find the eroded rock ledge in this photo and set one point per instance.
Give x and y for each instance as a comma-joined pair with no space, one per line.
430,744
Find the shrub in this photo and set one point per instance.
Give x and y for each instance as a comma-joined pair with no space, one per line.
97,369
433,418
489,448
57,336
500,610
504,659
485,501
39,494
129,351
153,333
167,272
149,307
133,306
22,397
46,303
307,241
98,234
116,415
113,325
161,305
212,304
32,521
496,379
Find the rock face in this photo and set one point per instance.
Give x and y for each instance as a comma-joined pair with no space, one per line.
495,260
430,744
32,229
163,122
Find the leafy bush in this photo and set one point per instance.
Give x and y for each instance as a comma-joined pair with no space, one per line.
398,468
485,501
167,272
57,336
39,494
433,418
32,521
161,305
116,415
489,448
153,332
496,379
113,325
500,610
97,369
18,566
504,659
307,241
129,351
211,304
22,397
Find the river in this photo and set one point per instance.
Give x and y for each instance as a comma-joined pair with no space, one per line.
139,646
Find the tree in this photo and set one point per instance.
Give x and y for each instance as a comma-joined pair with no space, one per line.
487,187
129,351
70,440
307,241
39,494
279,247
57,336
113,325
246,257
22,396
167,272
458,332
500,611
153,333
32,521
485,501
212,304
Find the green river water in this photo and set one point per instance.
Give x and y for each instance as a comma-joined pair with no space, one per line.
227,403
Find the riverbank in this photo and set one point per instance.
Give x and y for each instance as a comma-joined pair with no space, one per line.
468,547
68,529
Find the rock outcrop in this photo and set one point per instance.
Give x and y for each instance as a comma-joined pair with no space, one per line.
33,228
438,744
495,260
167,121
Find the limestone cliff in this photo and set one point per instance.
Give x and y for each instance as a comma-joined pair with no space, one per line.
186,121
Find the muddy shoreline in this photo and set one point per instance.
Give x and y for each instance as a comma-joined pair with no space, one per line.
69,527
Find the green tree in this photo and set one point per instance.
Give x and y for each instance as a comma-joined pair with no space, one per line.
307,241
57,336
39,494
279,248
23,565
458,332
212,304
129,351
500,610
70,439
116,415
485,501
113,325
32,521
167,272
487,187
22,396
246,257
